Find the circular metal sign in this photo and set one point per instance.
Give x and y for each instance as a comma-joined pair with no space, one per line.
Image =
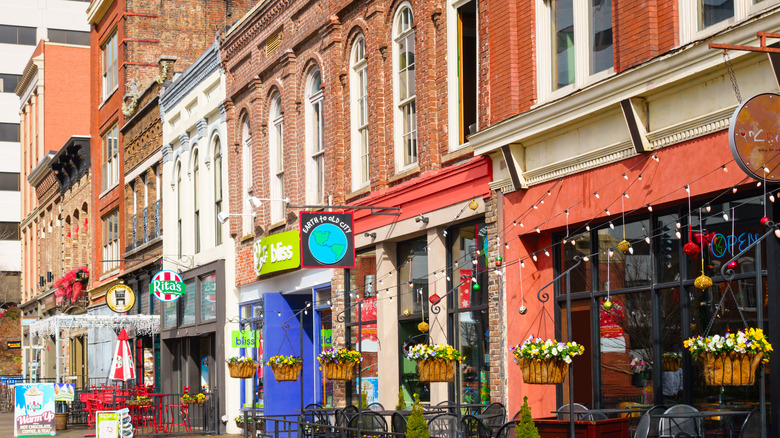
120,298
754,137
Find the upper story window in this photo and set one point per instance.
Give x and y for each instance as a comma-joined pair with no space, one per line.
404,85
246,168
8,82
110,66
359,113
195,198
9,132
179,207
575,44
110,157
111,242
276,156
701,18
17,35
9,181
315,140
69,37
217,191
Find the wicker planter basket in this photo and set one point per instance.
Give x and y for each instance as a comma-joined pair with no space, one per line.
731,369
339,370
671,363
286,373
193,401
146,402
545,371
242,370
436,370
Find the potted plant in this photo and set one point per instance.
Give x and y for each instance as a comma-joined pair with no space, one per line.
241,367
435,363
339,364
671,361
641,371
545,361
525,427
417,426
401,401
193,399
730,359
139,400
286,368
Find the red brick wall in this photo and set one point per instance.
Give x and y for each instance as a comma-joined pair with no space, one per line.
642,30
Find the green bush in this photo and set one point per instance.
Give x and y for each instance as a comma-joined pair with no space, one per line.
401,401
417,426
525,427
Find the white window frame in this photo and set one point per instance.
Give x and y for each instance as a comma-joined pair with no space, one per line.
110,60
246,177
216,146
358,92
315,140
582,75
689,18
398,105
110,143
453,82
110,242
196,193
179,208
276,156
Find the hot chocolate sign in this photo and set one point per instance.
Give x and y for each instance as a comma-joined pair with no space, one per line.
34,409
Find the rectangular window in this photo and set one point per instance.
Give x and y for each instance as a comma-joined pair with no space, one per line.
563,43
196,202
9,132
17,35
169,316
252,317
407,94
188,302
208,297
69,37
467,67
361,325
714,11
600,35
110,157
217,193
110,66
318,154
111,242
9,82
9,181
9,231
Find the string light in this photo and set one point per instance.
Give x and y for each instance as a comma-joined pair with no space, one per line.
606,210
522,264
536,207
758,184
649,207
514,223
725,216
586,259
549,193
734,190
772,198
678,225
611,225
533,256
546,253
611,253
708,208
655,157
521,225
766,169
587,227
597,195
725,169
687,189
626,195
639,177
538,230
625,177
677,233
647,240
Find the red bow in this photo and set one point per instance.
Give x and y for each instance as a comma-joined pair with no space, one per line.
705,238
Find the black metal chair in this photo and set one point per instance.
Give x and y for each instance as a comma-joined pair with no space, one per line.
494,416
376,406
517,416
673,427
751,428
398,423
443,426
507,430
340,419
313,414
592,416
472,427
563,411
367,421
446,406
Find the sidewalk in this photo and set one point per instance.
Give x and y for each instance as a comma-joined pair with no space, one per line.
74,431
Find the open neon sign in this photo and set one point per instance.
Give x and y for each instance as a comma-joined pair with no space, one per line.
721,244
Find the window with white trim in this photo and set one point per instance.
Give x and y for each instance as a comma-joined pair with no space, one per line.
246,170
179,207
575,44
195,199
110,141
358,91
404,85
315,140
462,64
110,65
276,156
217,191
702,18
111,242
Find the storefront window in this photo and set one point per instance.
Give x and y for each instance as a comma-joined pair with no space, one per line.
325,394
361,322
412,293
252,318
170,314
208,294
577,246
474,344
668,251
629,269
188,304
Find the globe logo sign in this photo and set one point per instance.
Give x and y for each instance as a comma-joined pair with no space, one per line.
328,244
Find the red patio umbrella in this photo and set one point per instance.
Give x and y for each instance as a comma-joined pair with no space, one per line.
122,365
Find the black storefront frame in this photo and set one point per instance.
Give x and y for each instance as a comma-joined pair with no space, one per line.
760,273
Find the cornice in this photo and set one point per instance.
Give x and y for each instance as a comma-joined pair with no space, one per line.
597,158
96,10
255,21
206,64
40,171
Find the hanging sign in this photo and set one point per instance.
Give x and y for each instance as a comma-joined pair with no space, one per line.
13,345
277,252
754,137
167,286
327,240
64,391
34,409
243,338
120,298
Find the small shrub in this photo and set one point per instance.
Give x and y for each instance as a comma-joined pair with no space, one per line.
525,427
417,426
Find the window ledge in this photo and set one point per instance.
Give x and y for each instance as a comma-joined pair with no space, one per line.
247,237
463,151
276,225
108,275
359,192
108,97
107,191
404,174
143,246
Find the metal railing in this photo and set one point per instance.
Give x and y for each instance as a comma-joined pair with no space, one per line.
301,426
145,234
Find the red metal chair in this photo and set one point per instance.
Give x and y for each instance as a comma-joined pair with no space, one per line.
184,412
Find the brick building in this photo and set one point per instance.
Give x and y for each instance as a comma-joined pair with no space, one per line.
128,38
609,121
353,106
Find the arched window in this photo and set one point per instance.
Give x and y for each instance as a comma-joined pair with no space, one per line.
217,191
315,140
404,84
246,160
195,198
358,86
276,156
178,206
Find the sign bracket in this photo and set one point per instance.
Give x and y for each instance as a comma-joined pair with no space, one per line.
396,210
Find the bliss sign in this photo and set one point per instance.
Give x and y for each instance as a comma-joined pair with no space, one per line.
167,286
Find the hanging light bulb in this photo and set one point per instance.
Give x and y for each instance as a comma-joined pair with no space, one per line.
279,314
630,249
411,284
687,189
734,190
546,253
587,227
597,195
649,207
606,210
522,264
506,245
611,253
611,225
677,233
766,169
514,223
626,195
521,225
538,230
625,177
772,198
758,184
573,242
549,193
564,240
655,157
647,240
586,259
533,256
678,225
639,177
708,208
725,216
777,232
448,278
536,207
725,169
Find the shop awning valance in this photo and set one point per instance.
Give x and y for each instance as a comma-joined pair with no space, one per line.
141,324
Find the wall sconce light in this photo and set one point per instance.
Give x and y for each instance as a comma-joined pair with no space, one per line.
421,218
222,217
371,235
257,202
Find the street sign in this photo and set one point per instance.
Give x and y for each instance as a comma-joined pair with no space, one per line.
754,137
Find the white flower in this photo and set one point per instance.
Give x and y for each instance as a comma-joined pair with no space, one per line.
567,359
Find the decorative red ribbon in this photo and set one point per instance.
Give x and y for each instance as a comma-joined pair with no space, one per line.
704,238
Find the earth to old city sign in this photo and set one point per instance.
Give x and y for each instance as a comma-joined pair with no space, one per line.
754,137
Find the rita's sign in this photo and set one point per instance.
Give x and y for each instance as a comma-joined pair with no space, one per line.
167,286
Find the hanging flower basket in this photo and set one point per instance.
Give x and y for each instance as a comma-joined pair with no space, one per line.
193,399
545,361
139,401
241,367
285,368
671,361
436,370
339,364
731,359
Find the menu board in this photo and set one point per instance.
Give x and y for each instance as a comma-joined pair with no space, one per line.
34,410
64,392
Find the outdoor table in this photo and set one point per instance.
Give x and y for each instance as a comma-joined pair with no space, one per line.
607,412
698,416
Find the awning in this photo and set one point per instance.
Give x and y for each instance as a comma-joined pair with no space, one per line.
142,324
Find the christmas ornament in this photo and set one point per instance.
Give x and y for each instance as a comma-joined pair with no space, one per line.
422,327
764,220
407,312
732,265
499,261
434,298
523,310
607,305
476,286
624,245
702,282
473,204
692,249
